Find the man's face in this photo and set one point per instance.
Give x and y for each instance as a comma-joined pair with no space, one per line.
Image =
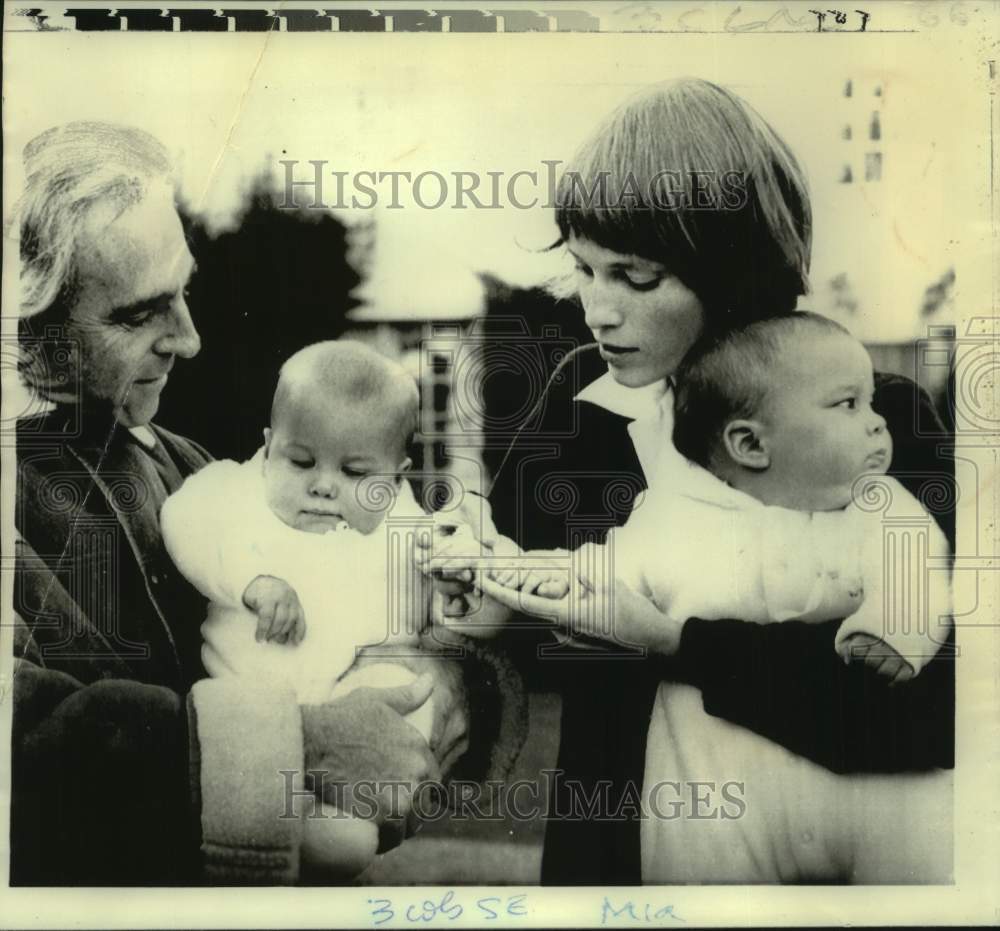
130,318
329,463
818,424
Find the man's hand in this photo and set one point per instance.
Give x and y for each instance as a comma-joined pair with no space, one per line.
280,618
363,739
876,654
449,737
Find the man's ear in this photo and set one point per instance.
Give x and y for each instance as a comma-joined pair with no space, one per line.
403,467
267,441
745,445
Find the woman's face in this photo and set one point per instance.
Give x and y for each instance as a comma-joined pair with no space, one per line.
644,318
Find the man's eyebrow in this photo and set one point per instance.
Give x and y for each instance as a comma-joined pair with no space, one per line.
144,303
154,300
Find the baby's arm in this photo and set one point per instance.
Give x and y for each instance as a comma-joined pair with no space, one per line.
907,606
213,528
280,617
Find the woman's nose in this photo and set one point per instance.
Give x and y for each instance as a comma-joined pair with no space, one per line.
600,305
182,338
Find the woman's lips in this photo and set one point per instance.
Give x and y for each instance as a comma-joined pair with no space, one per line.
612,353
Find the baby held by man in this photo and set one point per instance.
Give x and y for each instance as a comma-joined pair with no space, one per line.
292,548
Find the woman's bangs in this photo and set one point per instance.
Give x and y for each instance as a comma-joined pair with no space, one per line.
626,224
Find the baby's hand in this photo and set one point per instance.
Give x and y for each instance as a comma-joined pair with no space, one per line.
280,617
452,553
878,655
548,580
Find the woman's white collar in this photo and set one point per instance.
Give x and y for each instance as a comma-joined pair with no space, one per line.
634,403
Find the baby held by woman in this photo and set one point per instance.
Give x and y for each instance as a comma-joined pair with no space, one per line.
765,510
292,547
770,504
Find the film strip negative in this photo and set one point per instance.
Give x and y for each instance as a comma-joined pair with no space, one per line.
326,19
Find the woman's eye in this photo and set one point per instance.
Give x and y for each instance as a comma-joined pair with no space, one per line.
643,284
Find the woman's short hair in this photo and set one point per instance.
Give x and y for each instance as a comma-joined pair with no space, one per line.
690,175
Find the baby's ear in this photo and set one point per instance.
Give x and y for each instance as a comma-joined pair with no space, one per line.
744,444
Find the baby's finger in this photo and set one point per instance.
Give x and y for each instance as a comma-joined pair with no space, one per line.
554,588
858,649
273,624
536,579
455,606
875,661
270,612
885,666
458,569
280,629
299,626
505,576
263,626
904,675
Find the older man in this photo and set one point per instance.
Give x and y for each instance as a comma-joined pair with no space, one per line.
126,768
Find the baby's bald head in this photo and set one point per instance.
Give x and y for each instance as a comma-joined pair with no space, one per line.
337,375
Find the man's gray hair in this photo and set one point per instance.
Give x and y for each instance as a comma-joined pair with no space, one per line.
69,169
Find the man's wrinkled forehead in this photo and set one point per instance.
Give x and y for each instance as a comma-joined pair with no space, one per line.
139,251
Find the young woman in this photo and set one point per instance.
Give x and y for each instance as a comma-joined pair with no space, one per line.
686,215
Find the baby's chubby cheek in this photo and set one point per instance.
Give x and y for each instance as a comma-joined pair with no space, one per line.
369,502
280,499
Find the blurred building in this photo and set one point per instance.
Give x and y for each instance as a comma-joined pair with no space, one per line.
885,270
418,306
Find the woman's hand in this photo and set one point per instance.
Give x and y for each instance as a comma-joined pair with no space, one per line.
618,614
466,531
